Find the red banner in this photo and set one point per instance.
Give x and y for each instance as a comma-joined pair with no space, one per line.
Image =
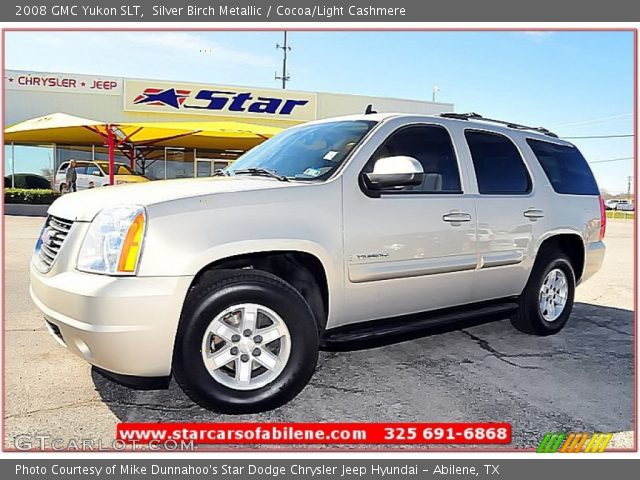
315,433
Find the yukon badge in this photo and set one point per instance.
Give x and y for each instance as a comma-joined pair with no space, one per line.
369,256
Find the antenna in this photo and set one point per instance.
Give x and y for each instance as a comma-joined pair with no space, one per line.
369,110
285,48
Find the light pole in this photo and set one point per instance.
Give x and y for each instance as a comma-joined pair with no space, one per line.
436,89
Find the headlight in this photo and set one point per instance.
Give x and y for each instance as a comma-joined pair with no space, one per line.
113,243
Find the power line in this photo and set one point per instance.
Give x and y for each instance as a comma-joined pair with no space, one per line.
612,160
594,120
599,136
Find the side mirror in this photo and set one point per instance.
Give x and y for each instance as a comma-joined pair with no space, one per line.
391,172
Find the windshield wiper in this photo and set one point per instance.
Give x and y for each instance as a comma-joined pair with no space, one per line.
261,172
220,172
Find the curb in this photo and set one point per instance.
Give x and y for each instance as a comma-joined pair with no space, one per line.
26,210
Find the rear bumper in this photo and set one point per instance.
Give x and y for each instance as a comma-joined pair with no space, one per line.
593,258
125,325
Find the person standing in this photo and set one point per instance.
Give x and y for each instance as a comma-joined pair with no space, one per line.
71,177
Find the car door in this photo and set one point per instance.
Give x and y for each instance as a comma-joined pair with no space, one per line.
60,176
94,176
83,179
409,249
510,213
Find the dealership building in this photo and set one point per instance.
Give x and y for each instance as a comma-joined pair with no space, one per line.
188,108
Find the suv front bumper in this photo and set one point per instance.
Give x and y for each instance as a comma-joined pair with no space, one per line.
125,325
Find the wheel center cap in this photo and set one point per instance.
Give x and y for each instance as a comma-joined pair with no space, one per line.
245,345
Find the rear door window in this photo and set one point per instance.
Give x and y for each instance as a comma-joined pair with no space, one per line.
565,167
499,167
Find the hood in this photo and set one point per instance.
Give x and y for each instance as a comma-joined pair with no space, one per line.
85,205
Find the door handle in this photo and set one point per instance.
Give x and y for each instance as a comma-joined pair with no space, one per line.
533,214
456,217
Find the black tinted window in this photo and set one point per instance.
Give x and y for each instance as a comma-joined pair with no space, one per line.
431,146
93,170
565,167
498,164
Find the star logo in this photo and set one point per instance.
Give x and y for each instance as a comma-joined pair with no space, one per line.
156,96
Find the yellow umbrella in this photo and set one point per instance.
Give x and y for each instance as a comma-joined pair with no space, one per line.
68,129
56,128
215,135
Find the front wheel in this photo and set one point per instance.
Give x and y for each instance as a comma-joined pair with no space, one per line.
547,300
247,342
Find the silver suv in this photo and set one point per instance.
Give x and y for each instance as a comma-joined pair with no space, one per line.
335,231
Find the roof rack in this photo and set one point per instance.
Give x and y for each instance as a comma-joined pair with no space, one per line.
516,126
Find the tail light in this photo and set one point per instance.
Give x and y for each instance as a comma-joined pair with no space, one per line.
603,218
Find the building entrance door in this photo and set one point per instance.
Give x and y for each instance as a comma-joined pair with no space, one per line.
206,167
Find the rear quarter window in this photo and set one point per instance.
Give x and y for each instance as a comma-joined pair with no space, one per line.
565,167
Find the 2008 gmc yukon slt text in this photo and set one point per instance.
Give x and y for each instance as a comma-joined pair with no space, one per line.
230,283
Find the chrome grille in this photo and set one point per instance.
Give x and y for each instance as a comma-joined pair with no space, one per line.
53,235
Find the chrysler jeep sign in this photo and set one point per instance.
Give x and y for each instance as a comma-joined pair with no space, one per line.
220,100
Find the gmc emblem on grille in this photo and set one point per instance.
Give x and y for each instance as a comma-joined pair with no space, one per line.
47,236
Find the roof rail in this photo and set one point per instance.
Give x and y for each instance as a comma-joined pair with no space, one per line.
515,126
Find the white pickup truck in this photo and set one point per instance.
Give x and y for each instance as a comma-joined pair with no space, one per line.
333,231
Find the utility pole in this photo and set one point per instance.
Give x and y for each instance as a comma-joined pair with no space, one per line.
285,48
629,187
435,90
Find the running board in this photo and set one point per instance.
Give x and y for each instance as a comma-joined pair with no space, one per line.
386,330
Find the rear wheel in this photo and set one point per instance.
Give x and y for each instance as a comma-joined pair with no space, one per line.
63,187
247,342
547,300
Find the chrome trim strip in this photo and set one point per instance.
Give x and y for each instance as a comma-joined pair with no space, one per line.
386,270
501,259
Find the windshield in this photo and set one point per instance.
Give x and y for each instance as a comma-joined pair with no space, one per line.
310,152
118,169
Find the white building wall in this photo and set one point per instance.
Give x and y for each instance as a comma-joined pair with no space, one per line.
335,104
62,92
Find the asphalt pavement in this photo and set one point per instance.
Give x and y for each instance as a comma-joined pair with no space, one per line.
579,380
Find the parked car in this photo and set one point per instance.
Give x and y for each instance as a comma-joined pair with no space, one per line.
330,232
30,181
624,205
96,174
611,204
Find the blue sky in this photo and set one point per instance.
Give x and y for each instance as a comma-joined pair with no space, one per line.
575,83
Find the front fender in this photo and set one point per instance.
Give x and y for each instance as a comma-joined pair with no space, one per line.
246,247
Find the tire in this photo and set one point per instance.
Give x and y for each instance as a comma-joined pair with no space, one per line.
63,187
531,317
214,304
